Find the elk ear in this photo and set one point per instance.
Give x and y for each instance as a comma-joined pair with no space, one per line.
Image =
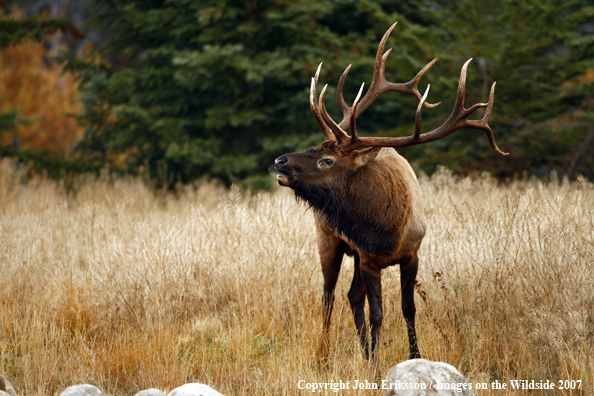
366,156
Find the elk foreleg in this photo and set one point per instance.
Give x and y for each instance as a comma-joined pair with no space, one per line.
408,275
357,300
331,253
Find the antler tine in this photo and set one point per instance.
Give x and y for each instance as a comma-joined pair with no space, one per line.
340,134
459,105
458,119
379,85
483,123
417,131
416,80
353,117
379,70
313,104
346,110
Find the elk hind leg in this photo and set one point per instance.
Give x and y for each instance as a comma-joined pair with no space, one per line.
373,288
408,276
356,297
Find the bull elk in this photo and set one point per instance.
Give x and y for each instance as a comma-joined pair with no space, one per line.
367,203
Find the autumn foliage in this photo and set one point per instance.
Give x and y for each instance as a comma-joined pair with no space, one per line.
32,83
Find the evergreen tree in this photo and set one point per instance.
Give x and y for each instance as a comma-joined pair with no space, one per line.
221,87
13,31
540,52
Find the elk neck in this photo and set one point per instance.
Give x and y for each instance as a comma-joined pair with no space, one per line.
368,206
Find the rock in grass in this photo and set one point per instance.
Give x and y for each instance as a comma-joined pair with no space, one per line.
82,390
194,389
6,388
423,377
150,392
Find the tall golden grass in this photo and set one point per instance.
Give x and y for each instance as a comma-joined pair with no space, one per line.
127,289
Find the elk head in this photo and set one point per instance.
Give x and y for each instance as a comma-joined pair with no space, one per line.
337,158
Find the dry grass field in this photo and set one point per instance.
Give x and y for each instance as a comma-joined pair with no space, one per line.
127,289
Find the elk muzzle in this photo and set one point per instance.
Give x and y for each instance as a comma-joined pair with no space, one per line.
285,175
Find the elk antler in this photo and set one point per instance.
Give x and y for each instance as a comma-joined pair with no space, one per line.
379,85
458,119
315,107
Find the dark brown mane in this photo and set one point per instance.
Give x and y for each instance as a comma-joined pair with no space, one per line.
355,215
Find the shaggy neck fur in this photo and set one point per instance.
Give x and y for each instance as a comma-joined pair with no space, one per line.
361,208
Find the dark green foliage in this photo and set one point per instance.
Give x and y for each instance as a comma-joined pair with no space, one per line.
41,162
8,120
221,87
49,164
536,51
14,31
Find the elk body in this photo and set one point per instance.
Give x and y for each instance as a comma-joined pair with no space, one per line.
367,203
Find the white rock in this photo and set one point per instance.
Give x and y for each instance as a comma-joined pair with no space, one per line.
150,392
194,389
82,390
6,388
438,379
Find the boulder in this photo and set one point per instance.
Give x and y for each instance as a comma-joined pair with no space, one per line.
150,392
194,389
6,388
418,377
82,390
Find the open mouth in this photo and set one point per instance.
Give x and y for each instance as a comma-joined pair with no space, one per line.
284,178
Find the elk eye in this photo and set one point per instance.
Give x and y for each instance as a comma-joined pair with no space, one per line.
328,161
